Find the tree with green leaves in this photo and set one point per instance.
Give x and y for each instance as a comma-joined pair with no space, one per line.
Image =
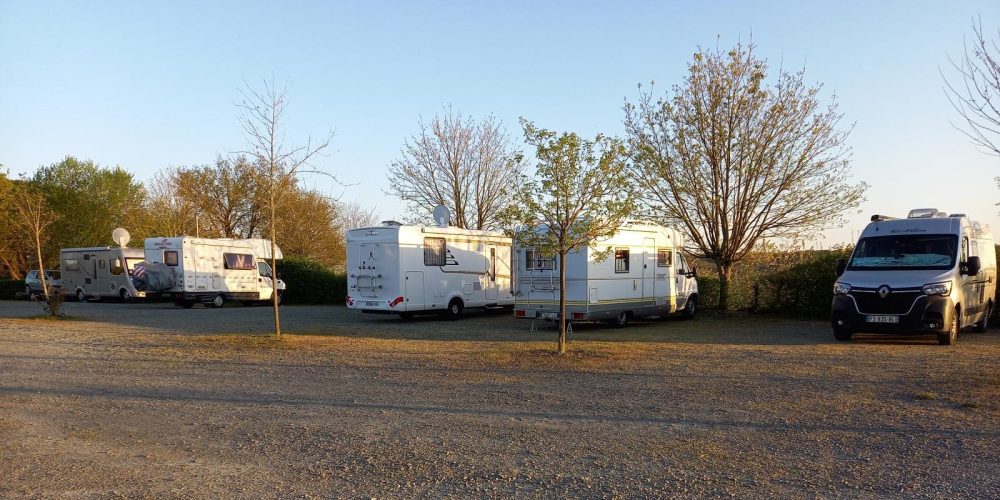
733,160
578,196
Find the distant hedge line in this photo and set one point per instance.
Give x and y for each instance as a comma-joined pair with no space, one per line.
10,288
311,282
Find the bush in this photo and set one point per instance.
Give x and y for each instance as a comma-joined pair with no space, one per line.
310,282
10,288
803,290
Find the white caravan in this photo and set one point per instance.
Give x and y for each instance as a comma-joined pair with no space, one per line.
404,269
928,273
644,274
215,270
100,272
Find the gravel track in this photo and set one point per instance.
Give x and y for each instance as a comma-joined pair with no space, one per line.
151,400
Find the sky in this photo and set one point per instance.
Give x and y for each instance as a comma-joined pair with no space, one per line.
147,86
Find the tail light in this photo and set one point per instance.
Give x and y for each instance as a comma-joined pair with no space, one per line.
520,314
350,301
578,315
394,302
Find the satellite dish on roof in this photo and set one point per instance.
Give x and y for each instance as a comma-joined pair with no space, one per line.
442,215
121,236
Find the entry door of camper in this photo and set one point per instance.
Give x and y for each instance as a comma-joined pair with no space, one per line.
492,289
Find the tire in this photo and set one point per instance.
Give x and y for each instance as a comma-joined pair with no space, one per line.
690,307
622,319
842,334
951,336
455,308
984,325
81,296
125,296
29,294
217,301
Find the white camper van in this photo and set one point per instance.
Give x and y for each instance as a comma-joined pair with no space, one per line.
100,272
930,272
215,270
644,274
406,269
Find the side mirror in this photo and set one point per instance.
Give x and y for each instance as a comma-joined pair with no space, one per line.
973,266
841,266
693,273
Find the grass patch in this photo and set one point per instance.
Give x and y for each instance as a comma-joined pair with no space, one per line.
927,396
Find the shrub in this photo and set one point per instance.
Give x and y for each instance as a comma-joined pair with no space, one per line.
803,290
10,288
310,282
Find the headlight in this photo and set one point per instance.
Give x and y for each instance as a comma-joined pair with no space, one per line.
937,288
841,288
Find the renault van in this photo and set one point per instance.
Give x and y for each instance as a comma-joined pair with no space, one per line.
929,273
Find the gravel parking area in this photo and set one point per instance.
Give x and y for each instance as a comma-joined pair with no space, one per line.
126,400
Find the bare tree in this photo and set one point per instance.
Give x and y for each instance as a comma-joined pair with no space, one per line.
166,213
224,196
33,216
278,164
579,196
976,96
453,161
354,215
733,160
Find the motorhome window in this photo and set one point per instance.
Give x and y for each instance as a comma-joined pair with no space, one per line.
100,264
534,261
241,261
896,252
170,257
71,265
621,260
116,266
493,264
663,258
434,251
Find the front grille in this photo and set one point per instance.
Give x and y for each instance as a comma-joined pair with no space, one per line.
897,302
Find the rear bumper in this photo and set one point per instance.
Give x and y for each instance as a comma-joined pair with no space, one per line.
929,314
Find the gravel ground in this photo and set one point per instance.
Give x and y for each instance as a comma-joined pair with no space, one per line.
151,400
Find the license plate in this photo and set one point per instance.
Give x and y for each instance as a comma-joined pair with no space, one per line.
882,318
550,315
371,303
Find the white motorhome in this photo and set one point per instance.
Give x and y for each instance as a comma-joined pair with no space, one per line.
215,270
100,272
644,273
928,273
406,269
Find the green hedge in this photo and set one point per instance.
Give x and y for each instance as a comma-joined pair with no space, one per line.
310,282
10,288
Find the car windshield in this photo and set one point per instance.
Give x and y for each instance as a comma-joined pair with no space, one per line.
935,251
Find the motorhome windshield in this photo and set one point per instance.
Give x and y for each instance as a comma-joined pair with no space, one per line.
897,252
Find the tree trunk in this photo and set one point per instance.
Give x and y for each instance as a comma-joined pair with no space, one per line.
41,266
562,303
274,272
725,271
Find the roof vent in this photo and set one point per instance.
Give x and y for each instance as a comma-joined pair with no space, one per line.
879,218
391,223
957,215
925,213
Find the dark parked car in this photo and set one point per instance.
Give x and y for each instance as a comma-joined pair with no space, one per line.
33,283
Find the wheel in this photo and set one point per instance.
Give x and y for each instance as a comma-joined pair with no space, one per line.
951,336
455,308
125,296
81,296
406,316
217,301
622,319
842,334
984,325
29,294
690,307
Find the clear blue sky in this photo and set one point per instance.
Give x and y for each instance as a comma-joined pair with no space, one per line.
151,85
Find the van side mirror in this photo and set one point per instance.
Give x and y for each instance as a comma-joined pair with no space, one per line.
973,266
841,266
693,273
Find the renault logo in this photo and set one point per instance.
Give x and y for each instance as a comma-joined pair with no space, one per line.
883,291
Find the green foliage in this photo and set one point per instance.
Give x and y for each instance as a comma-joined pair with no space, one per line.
310,282
10,288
